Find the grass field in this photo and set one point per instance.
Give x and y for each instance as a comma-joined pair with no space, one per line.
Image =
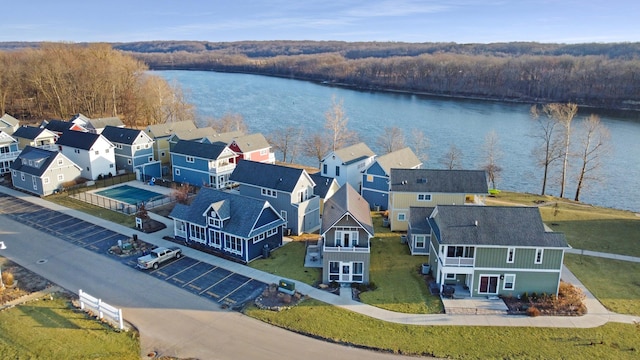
52,329
113,216
611,341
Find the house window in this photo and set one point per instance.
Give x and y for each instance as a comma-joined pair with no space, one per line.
216,238
233,244
334,270
22,176
271,232
460,251
35,183
337,170
190,159
197,233
324,169
358,271
150,158
60,177
15,173
419,241
60,162
137,147
119,146
216,223
111,166
178,172
77,151
510,255
450,276
45,180
539,253
129,161
263,152
424,197
268,192
162,154
88,169
106,151
97,152
401,217
509,282
369,178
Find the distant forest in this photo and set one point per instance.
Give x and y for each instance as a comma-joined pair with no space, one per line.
592,75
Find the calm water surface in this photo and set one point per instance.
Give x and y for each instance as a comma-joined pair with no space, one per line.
271,104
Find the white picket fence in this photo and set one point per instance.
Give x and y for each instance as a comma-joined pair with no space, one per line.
103,309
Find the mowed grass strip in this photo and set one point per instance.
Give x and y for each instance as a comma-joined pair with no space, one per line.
615,283
109,215
52,329
312,317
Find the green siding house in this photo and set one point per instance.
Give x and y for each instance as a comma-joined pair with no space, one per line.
494,250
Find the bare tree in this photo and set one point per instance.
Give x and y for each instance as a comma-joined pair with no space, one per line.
420,144
336,126
287,142
548,150
391,139
228,123
316,146
452,159
564,114
594,146
492,156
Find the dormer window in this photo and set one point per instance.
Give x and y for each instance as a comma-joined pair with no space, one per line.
216,223
268,192
424,197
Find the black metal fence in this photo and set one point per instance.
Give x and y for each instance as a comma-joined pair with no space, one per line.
100,183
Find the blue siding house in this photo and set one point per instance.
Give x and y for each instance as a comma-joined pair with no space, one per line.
289,190
133,151
229,225
202,164
375,178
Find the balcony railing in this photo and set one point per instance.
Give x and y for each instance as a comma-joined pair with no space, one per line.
222,168
364,249
9,155
458,261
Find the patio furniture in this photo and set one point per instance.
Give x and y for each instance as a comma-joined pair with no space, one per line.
448,291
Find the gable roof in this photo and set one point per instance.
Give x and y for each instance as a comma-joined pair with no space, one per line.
122,135
243,212
78,139
493,225
271,176
399,159
323,184
59,126
9,122
419,219
198,149
353,153
101,123
346,201
225,137
439,181
5,138
166,129
192,133
40,158
30,132
251,142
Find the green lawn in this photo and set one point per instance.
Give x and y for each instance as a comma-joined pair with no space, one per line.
51,329
288,262
311,317
113,216
615,283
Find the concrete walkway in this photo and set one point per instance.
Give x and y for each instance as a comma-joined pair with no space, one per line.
597,314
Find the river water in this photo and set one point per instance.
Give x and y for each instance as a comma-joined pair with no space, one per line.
271,104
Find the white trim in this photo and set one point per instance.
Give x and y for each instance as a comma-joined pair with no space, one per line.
513,282
536,260
511,255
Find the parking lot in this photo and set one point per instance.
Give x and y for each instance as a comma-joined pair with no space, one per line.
207,280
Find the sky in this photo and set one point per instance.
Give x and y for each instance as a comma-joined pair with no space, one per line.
460,21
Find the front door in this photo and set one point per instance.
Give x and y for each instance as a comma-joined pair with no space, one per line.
488,284
346,272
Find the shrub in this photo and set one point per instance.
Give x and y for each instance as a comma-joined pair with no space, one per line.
372,286
334,285
7,278
525,297
533,311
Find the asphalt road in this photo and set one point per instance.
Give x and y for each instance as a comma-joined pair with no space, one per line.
171,321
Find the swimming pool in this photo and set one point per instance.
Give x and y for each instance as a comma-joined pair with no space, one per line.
130,194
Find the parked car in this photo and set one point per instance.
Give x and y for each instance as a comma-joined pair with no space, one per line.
157,256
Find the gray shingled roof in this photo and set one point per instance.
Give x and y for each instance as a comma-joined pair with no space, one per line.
40,158
197,149
193,134
58,125
419,219
400,159
439,181
251,142
78,139
353,153
493,225
121,135
28,132
346,200
226,137
277,177
9,120
166,129
323,184
101,123
243,211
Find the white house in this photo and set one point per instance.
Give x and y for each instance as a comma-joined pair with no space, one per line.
93,153
347,164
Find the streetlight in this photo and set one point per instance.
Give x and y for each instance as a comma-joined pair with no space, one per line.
2,247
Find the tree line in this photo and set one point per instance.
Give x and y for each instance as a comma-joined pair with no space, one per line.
57,80
594,75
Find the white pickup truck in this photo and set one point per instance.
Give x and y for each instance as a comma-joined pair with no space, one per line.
157,256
